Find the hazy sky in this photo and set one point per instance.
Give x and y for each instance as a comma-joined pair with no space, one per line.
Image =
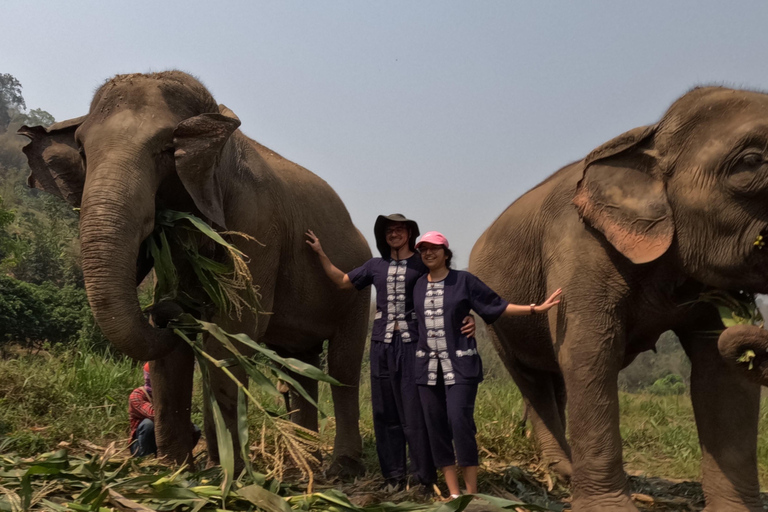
444,111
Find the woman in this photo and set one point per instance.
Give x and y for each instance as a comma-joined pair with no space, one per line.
397,414
448,367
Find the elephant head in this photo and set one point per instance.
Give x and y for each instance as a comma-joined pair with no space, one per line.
694,186
147,140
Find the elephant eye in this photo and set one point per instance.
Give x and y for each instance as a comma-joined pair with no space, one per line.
82,155
751,160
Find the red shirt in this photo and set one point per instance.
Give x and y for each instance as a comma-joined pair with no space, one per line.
139,408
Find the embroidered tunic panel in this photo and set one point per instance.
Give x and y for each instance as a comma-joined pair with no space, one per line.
394,281
440,308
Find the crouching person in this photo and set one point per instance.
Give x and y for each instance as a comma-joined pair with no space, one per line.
142,417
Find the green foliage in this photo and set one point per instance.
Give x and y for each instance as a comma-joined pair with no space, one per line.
672,384
58,481
735,308
649,367
228,285
59,395
32,313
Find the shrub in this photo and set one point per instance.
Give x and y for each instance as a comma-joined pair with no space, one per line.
34,313
672,384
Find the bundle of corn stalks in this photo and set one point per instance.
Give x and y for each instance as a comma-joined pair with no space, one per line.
228,285
230,288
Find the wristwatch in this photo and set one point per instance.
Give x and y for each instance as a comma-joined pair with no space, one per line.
533,311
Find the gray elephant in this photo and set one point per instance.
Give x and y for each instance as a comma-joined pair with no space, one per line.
153,141
633,233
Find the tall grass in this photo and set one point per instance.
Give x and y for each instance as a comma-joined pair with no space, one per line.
63,395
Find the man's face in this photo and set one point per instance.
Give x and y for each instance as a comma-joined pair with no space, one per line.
397,235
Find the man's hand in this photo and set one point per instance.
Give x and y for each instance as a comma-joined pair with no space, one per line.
468,326
314,242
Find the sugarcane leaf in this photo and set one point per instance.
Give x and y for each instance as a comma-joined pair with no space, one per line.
242,430
167,280
223,441
336,497
300,367
264,499
509,504
201,226
53,506
297,387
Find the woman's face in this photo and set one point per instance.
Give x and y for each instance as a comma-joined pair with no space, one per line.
432,255
397,235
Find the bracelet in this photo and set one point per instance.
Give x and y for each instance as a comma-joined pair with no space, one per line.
533,311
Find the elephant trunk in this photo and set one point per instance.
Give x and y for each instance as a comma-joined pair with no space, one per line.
746,348
117,214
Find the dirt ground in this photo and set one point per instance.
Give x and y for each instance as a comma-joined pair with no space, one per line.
524,481
530,484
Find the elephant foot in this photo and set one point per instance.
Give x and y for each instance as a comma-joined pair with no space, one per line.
177,459
345,468
562,468
605,503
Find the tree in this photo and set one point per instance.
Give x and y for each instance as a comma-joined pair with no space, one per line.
38,117
11,100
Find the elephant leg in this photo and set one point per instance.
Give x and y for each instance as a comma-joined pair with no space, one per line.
726,407
304,413
345,356
544,395
591,361
225,393
171,379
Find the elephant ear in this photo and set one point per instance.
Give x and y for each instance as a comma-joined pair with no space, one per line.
54,159
622,195
198,142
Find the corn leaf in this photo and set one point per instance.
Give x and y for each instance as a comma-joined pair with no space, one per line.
242,431
264,499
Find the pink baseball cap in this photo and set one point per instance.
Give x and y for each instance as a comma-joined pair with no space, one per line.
433,237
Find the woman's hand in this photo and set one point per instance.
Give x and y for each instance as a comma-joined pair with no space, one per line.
314,242
548,304
468,326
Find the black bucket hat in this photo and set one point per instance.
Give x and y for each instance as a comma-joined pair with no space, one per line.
380,232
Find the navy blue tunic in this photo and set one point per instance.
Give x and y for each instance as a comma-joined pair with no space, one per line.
394,281
397,412
441,307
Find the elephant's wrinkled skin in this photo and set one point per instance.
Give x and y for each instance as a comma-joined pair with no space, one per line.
161,141
734,343
633,233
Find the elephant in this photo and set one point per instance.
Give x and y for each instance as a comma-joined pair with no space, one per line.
160,141
634,233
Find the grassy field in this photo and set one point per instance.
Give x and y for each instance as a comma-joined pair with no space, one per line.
53,397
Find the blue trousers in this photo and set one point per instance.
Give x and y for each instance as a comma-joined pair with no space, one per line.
143,442
144,439
397,415
449,413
